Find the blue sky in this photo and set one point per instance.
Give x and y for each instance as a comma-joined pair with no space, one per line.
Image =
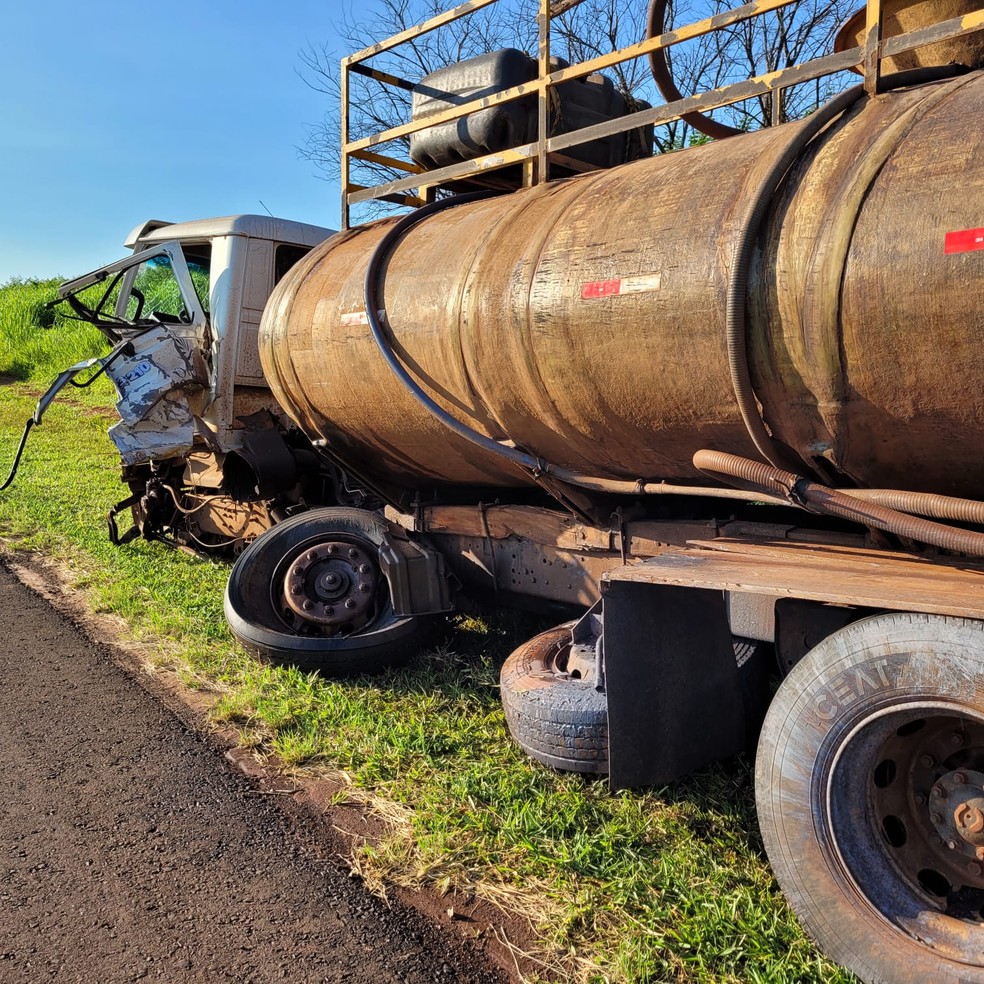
116,112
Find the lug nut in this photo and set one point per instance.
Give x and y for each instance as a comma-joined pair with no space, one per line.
308,605
973,868
329,610
331,548
920,799
364,568
353,553
936,818
939,791
956,739
927,761
296,588
364,588
952,844
350,603
313,556
959,778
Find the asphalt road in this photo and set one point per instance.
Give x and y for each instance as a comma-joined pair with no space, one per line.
131,851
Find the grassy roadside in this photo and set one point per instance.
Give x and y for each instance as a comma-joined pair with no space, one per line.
662,885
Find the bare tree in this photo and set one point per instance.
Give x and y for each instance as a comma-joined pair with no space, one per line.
778,40
373,106
773,41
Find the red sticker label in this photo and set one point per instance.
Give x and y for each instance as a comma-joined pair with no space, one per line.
964,241
636,284
600,288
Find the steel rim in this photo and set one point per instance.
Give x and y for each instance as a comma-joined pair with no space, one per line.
327,586
904,807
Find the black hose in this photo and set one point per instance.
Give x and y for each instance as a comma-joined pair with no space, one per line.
842,503
535,466
17,457
122,348
663,77
737,342
370,296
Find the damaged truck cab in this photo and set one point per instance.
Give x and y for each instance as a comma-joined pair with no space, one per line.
198,423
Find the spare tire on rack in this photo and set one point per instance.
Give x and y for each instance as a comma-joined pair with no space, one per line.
309,592
554,709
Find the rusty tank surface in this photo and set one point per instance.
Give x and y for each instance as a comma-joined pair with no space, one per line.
582,320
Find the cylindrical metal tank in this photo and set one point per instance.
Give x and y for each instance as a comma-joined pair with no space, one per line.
584,319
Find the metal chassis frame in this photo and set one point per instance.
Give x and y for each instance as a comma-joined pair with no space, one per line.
419,186
675,703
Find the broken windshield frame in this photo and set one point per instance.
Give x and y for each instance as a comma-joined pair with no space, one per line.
156,287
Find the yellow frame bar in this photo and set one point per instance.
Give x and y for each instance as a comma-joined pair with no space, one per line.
536,156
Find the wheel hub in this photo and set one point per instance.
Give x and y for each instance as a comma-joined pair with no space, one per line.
928,797
956,805
332,585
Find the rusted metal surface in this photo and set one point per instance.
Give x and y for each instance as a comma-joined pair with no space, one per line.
900,17
863,327
842,575
871,42
584,319
219,518
542,553
521,568
714,98
957,27
332,586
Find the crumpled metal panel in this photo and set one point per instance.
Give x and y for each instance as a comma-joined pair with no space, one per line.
164,360
166,431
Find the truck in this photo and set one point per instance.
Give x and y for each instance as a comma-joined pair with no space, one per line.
721,408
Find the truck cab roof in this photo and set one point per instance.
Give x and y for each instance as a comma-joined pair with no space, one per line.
254,226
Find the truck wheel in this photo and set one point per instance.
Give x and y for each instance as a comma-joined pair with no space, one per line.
309,592
869,784
558,717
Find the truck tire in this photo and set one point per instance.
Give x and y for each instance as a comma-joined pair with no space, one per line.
868,784
558,719
259,613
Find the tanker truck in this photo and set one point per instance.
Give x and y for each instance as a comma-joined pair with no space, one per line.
720,408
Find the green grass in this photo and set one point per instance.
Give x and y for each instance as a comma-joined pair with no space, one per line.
36,342
660,885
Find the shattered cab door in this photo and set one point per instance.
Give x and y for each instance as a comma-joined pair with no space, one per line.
159,306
